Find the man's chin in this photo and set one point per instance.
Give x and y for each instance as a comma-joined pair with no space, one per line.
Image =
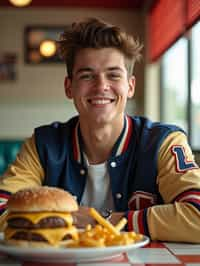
101,120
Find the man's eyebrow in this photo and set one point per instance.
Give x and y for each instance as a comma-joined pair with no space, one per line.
114,68
90,69
84,69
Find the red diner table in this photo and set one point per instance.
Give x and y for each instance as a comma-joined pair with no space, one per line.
153,254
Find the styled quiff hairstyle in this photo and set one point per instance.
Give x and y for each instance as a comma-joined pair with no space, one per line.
94,33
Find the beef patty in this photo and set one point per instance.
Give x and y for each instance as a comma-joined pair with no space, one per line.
49,222
30,236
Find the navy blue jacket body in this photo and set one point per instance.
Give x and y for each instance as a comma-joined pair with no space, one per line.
134,169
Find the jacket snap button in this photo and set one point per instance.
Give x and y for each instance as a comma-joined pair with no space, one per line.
118,195
113,164
82,171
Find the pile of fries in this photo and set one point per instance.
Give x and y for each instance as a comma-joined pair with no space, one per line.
104,234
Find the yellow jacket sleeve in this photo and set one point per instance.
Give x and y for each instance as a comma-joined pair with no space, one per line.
178,219
25,171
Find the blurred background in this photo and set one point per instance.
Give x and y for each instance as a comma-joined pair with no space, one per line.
32,75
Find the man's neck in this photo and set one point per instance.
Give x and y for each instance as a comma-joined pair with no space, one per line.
99,140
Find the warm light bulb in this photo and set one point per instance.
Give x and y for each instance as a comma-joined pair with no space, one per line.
47,48
20,3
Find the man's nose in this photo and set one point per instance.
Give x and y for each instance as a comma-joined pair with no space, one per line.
101,83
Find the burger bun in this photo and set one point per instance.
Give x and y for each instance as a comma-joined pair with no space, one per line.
42,199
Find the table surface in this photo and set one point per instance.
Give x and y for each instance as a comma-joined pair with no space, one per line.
154,254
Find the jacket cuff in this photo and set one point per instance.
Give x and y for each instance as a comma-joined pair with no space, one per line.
4,196
137,221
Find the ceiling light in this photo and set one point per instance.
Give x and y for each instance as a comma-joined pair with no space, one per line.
20,3
47,48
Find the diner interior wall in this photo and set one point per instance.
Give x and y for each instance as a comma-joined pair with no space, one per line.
152,91
37,95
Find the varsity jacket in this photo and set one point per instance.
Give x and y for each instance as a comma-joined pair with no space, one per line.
133,167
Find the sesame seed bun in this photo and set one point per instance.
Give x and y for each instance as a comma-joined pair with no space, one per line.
39,199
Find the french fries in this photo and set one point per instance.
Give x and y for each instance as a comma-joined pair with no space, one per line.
103,221
121,224
3,220
104,234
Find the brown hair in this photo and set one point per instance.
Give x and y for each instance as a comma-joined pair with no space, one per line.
94,33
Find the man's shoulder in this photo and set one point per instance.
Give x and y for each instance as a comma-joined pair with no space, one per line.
144,123
56,126
148,132
54,134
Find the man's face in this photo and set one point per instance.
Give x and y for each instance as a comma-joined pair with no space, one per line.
100,85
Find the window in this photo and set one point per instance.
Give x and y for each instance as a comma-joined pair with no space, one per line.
180,85
195,87
174,85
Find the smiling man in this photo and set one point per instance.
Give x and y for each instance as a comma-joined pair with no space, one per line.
99,88
136,168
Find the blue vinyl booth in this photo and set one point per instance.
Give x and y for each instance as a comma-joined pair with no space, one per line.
8,152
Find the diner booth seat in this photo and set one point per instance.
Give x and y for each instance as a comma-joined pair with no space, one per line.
8,152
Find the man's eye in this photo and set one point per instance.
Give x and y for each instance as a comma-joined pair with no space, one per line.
86,76
114,76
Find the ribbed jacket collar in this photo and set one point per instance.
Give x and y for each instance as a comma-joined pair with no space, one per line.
120,146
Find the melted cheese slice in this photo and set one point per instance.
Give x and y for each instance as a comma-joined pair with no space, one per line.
37,216
52,235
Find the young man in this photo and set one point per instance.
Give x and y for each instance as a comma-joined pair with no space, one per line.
107,159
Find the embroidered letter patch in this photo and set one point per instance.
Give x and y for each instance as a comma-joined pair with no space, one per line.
182,164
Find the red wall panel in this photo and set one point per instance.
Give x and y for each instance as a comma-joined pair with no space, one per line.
83,3
193,11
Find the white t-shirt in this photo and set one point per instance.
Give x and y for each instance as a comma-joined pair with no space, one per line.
97,191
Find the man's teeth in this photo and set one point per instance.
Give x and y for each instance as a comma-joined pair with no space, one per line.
102,101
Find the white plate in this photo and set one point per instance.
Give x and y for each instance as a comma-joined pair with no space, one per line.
68,254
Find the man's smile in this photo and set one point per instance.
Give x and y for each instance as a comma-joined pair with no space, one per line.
100,101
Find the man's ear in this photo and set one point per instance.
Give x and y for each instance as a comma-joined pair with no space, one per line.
67,85
131,90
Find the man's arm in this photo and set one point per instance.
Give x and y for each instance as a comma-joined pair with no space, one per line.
178,219
25,171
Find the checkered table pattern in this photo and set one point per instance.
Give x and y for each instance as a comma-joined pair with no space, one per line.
154,254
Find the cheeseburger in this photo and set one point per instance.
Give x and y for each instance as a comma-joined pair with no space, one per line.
40,217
